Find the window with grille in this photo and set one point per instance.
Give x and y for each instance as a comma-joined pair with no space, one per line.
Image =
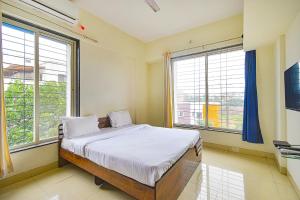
209,89
38,69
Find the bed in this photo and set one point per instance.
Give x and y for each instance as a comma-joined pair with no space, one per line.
159,170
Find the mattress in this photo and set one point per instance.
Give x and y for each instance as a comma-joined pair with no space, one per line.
141,152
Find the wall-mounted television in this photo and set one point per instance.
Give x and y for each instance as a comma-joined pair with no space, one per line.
292,87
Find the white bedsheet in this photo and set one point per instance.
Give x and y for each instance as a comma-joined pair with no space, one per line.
141,152
77,145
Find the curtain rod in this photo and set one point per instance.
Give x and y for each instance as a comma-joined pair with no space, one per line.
208,44
68,29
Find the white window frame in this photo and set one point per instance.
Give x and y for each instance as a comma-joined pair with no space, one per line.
73,85
206,54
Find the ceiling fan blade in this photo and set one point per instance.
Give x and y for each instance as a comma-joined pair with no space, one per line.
153,5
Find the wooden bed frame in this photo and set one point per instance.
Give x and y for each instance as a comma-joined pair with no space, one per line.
168,187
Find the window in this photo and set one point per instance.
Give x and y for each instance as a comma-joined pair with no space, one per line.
212,82
39,70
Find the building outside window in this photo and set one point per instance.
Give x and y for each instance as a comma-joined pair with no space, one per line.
209,89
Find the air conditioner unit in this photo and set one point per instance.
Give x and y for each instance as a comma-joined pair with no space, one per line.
63,10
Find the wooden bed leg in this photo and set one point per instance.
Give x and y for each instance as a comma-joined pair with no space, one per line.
99,181
62,162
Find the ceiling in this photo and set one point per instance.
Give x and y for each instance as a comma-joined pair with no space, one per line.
265,20
138,20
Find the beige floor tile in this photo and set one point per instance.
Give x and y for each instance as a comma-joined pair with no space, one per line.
277,176
261,190
24,190
197,176
107,192
53,177
286,191
222,175
191,192
72,187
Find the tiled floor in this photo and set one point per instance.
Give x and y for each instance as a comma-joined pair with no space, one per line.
223,175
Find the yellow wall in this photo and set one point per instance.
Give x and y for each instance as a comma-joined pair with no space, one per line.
293,117
225,29
266,20
280,63
114,74
156,94
265,75
221,30
113,77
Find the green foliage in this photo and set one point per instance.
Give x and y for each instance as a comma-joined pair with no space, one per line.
52,107
20,110
19,113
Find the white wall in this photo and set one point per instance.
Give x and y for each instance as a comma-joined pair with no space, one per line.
221,30
113,77
293,117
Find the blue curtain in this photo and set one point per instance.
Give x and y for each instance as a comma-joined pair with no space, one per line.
251,128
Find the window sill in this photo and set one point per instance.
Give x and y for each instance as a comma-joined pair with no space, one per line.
207,129
32,146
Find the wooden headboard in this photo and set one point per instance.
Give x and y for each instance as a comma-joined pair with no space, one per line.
104,122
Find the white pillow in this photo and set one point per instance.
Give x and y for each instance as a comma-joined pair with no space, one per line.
79,126
120,118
